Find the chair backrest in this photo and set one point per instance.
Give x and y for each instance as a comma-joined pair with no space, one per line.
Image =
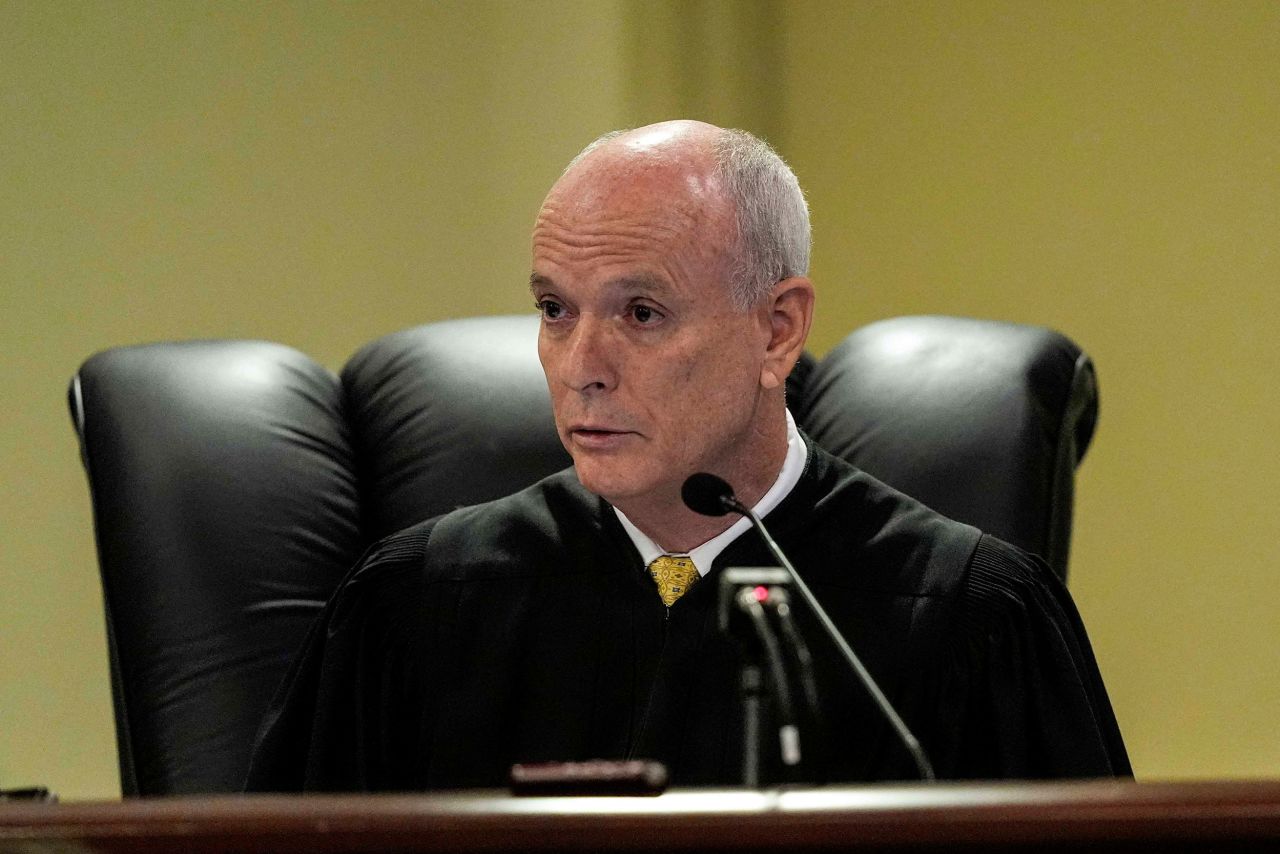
235,482
985,422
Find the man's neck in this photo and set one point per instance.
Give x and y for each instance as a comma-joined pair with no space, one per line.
666,520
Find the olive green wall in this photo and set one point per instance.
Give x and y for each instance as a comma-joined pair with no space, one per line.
322,173
1111,169
317,174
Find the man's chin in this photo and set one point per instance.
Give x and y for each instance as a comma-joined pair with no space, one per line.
613,487
602,487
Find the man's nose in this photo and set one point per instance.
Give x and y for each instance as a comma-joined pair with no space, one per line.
589,360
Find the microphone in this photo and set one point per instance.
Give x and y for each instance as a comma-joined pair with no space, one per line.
709,495
780,603
788,732
712,496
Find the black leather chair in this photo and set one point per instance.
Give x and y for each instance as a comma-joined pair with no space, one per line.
235,482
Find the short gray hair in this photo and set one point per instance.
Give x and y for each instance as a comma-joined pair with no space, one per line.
773,236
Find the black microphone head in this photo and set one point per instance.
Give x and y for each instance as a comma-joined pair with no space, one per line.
707,494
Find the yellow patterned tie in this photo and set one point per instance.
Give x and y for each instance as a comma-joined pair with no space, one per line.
674,575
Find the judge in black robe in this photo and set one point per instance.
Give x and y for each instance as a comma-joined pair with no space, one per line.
527,629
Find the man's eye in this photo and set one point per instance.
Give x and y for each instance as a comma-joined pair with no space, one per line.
644,314
550,308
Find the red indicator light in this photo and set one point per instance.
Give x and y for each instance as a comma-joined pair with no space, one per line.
761,594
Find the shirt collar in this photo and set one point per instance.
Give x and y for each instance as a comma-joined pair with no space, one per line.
704,555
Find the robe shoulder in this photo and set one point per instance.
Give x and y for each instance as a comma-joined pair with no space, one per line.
310,738
342,718
549,529
498,539
1018,678
977,640
874,538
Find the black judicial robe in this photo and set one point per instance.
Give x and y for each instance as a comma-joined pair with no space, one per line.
526,629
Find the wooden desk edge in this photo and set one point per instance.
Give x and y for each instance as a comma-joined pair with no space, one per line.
907,816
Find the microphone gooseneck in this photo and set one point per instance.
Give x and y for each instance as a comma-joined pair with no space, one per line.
712,496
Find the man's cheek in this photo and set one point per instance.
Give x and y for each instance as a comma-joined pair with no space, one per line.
689,371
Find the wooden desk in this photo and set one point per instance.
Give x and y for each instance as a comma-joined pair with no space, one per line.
1096,816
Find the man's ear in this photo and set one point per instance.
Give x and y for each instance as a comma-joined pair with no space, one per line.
790,307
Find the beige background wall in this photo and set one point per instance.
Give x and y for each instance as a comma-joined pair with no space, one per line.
320,174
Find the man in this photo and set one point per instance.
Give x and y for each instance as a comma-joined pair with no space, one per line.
571,621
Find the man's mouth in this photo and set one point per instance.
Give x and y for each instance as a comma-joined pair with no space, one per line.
595,437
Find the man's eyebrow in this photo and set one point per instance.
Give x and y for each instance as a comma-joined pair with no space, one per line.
537,280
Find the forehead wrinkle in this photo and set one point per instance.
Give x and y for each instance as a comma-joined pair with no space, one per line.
594,223
591,240
635,240
644,282
611,253
655,279
672,222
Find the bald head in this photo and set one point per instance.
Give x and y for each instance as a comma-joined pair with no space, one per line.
644,254
665,140
741,198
